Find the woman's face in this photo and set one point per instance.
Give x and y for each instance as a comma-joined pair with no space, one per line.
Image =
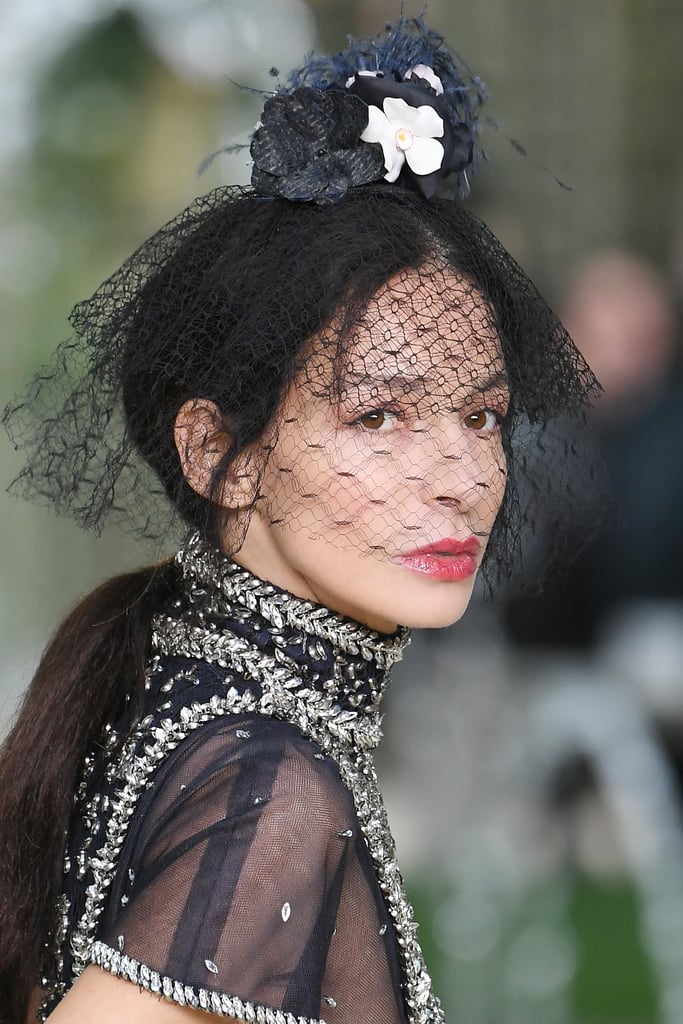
378,499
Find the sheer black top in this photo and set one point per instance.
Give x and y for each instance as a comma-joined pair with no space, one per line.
233,853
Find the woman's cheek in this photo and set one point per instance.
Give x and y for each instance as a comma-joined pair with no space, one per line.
360,502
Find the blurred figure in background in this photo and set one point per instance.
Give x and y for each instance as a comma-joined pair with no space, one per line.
622,316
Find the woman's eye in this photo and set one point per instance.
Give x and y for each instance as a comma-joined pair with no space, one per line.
377,419
483,421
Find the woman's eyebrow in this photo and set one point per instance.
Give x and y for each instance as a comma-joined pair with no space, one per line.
495,380
402,380
407,381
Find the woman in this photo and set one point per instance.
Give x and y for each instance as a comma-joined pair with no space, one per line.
341,381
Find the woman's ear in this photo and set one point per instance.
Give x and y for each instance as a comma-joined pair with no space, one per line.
202,441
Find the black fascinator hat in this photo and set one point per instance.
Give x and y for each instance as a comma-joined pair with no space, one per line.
401,107
360,165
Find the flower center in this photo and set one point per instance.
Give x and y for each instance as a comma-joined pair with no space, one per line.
404,138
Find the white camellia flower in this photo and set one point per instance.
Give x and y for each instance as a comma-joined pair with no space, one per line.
407,135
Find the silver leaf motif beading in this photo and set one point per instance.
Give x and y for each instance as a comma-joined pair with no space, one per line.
345,734
217,1003
201,563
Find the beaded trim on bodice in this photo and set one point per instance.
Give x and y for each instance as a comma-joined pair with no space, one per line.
301,663
220,591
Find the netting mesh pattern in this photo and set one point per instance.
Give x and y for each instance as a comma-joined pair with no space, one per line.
240,859
370,371
250,860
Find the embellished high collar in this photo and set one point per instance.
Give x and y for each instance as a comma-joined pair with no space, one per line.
342,659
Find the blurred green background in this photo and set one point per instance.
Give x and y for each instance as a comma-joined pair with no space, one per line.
107,109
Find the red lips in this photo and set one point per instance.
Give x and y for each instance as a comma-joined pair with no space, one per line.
448,546
449,559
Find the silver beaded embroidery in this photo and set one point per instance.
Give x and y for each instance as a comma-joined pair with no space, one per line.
201,562
346,735
217,1003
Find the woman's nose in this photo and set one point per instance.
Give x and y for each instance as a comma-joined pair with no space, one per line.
457,475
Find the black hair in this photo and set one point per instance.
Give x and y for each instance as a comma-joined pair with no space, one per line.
219,304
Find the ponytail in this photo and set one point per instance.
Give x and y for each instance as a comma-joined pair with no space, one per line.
92,673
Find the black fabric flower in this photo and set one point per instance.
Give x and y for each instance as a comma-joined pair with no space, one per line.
307,146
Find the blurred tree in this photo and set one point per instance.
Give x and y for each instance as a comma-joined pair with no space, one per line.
88,112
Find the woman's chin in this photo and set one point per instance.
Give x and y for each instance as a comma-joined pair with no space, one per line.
436,621
442,607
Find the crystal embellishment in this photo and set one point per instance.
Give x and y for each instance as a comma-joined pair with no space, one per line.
202,563
340,715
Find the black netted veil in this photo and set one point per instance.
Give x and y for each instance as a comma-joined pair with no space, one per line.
239,296
366,362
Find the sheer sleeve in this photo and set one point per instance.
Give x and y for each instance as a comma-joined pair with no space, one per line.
245,884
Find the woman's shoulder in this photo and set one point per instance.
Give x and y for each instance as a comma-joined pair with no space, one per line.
244,764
